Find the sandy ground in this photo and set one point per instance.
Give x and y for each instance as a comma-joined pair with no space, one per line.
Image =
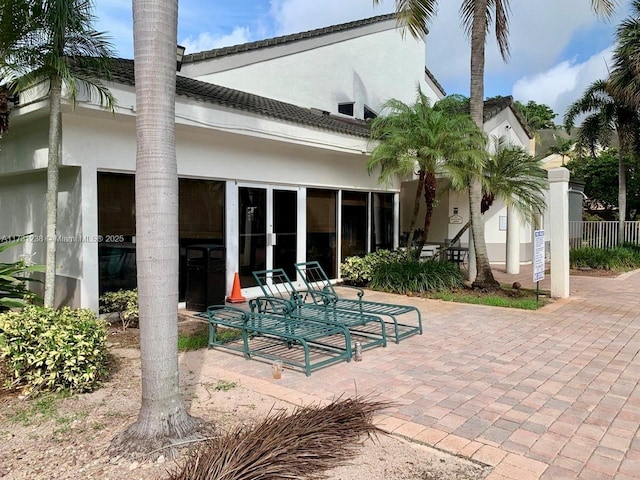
66,438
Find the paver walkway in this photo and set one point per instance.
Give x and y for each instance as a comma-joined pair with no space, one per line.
551,394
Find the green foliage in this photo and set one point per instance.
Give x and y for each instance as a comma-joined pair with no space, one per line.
600,175
537,115
194,341
412,276
44,407
52,350
225,386
14,277
359,270
625,257
40,41
525,303
124,303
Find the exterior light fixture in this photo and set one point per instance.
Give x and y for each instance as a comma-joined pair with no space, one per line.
179,55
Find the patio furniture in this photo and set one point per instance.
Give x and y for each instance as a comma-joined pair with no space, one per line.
318,283
280,293
429,251
275,337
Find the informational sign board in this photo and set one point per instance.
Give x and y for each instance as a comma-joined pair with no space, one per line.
538,255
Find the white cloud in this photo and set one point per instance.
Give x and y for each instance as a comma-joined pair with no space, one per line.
291,16
207,41
563,83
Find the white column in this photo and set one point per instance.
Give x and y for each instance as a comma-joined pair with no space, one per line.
231,232
558,235
89,285
513,242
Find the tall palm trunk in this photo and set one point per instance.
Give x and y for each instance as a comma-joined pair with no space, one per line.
162,417
55,134
429,198
416,210
484,278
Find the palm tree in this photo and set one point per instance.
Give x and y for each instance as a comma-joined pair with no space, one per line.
625,75
563,147
607,114
432,141
162,418
53,41
477,15
511,175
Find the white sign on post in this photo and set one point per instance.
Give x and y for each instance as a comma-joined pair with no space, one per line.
538,255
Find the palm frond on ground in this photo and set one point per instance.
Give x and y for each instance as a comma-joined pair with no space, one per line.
301,445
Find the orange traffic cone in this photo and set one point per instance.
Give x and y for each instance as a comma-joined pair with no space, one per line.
236,295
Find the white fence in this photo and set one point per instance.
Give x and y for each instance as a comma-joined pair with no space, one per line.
601,234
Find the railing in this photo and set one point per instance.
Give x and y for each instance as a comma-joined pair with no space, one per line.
601,234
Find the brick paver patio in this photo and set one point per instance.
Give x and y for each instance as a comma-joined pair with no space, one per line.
551,394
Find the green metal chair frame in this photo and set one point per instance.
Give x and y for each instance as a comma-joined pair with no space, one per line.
331,340
369,330
317,283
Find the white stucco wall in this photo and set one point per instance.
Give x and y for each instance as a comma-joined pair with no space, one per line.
367,70
23,210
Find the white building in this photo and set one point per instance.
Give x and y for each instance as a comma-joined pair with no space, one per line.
271,148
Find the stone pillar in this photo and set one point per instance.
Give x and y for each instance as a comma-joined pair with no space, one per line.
513,241
558,236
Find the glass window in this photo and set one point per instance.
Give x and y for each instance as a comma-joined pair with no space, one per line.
346,109
382,221
322,229
201,221
354,224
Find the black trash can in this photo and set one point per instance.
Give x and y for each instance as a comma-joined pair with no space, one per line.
206,276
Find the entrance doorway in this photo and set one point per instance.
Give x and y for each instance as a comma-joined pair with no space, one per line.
267,231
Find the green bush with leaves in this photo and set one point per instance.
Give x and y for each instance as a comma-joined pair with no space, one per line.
52,350
14,277
359,270
413,276
625,257
124,303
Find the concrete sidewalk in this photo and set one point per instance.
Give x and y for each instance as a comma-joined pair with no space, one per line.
551,394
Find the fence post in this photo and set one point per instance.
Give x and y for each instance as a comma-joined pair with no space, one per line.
558,209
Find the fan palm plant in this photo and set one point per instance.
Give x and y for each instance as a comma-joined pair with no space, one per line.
419,138
53,42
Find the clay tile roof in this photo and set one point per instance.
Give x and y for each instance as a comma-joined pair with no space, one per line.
269,42
122,72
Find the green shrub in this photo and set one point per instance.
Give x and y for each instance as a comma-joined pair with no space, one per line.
412,276
124,303
47,349
626,257
14,277
359,270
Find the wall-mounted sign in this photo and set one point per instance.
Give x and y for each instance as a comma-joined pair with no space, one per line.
502,223
455,219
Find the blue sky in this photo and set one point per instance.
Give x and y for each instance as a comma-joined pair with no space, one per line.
558,47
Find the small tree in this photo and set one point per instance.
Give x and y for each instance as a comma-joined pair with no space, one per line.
421,138
53,41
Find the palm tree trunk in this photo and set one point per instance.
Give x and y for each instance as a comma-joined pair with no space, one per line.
416,209
484,278
162,418
55,134
429,198
625,133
